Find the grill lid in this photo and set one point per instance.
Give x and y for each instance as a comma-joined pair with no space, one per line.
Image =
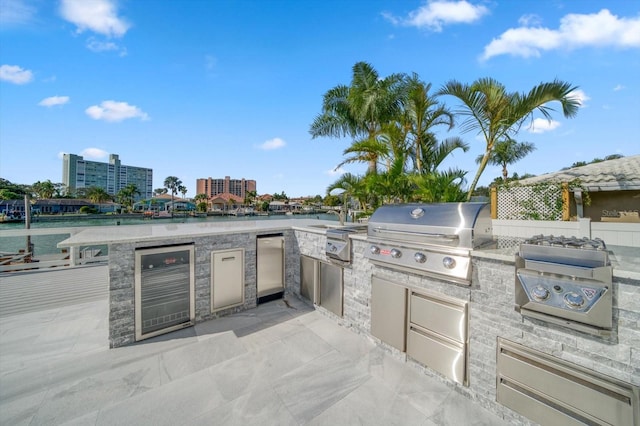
461,225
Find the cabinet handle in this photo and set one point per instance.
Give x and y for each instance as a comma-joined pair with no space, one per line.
228,258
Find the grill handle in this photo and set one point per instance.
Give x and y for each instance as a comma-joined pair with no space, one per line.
445,237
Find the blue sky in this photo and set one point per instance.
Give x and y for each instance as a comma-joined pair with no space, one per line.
197,89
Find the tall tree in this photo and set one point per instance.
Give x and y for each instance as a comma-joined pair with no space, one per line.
172,183
507,152
422,113
353,187
497,115
44,189
127,195
360,110
183,190
97,195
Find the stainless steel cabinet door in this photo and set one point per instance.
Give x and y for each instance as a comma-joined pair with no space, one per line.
389,312
270,265
331,288
308,278
227,278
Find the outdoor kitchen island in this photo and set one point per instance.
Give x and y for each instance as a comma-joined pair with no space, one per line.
491,317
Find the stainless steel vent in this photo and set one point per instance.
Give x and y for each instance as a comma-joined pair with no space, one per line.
551,391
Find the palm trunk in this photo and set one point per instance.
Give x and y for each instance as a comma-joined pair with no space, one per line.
483,164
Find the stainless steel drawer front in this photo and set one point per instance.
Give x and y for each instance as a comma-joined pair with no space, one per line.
549,390
438,334
443,316
444,356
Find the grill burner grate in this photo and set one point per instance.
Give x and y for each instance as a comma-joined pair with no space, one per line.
568,242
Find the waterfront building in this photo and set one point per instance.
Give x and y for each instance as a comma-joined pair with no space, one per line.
78,173
238,187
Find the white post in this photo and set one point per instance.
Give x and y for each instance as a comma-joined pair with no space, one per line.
584,227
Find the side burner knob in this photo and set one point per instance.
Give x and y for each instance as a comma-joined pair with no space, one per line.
449,262
374,250
420,257
573,300
395,253
540,293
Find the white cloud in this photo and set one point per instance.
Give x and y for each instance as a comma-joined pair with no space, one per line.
94,153
53,101
113,111
600,29
271,144
438,13
99,16
541,125
618,88
579,96
105,46
15,12
14,74
529,20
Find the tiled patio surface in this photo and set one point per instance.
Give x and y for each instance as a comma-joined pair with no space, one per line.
274,365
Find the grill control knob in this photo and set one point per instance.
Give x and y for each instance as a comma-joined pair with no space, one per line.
574,300
449,262
420,257
374,250
395,253
540,293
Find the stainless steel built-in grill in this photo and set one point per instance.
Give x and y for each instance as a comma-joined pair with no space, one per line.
566,281
429,239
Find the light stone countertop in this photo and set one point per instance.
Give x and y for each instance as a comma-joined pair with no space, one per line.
625,260
157,232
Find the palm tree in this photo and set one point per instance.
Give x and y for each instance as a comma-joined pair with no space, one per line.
201,202
353,187
44,189
127,195
360,110
498,115
160,191
172,183
423,112
507,152
97,195
183,190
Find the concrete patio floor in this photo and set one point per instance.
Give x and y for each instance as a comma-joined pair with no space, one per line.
274,365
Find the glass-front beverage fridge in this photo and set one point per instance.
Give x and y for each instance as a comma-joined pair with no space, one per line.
164,289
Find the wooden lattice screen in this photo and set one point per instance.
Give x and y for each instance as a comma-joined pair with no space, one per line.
530,202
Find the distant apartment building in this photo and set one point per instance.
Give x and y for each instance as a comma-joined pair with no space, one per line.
78,173
212,187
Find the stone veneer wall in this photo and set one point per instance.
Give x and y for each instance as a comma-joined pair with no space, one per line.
492,314
122,270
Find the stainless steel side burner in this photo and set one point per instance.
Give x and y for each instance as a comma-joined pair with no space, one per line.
338,247
565,281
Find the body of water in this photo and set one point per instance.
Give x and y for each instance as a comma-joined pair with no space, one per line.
47,244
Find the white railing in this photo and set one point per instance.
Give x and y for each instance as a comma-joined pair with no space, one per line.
20,260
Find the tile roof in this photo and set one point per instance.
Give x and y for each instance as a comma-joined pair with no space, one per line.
611,175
